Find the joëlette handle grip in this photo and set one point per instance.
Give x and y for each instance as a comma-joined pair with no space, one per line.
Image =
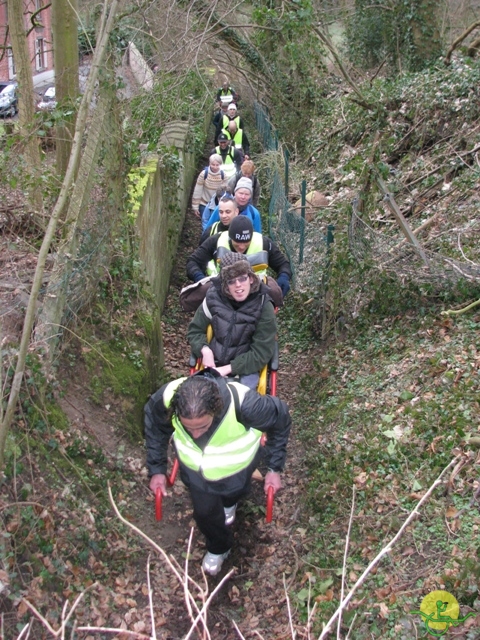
158,504
173,475
159,494
270,498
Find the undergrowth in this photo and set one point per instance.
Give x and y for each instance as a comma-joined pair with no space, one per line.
384,410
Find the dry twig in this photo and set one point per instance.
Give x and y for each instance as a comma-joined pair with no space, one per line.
385,550
345,556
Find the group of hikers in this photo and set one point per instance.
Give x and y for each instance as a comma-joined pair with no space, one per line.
216,417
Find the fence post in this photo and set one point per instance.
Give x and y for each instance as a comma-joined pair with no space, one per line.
329,239
302,224
286,156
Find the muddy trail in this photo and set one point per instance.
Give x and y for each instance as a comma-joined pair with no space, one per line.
266,558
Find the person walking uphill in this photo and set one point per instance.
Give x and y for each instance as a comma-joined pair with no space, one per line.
209,181
261,253
216,427
243,196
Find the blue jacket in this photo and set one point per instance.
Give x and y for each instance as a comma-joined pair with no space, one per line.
249,211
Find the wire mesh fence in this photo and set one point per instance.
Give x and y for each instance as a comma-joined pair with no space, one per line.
306,244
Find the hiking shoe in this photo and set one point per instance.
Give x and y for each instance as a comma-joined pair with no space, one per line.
212,562
230,513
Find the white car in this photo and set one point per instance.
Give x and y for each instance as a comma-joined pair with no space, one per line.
9,100
48,101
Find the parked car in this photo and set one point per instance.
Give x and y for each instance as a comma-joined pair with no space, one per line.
9,100
48,101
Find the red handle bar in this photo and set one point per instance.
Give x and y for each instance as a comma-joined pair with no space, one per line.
270,497
173,475
158,504
171,480
159,494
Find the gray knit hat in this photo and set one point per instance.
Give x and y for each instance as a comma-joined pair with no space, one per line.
244,183
233,265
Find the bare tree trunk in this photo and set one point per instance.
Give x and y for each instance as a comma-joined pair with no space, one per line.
58,211
26,103
425,30
65,51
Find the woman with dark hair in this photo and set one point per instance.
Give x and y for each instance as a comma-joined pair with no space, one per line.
216,428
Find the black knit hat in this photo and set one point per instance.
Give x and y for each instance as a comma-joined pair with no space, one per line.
240,229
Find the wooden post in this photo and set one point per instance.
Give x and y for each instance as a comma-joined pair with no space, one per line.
400,218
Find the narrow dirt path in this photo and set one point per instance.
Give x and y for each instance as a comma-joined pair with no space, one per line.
265,556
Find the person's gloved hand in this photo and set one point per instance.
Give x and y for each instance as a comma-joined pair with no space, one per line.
283,282
198,276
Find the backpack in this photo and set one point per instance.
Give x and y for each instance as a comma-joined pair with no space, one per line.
205,173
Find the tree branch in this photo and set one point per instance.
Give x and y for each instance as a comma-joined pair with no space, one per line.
33,16
385,550
460,39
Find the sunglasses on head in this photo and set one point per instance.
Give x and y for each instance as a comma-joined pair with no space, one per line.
240,280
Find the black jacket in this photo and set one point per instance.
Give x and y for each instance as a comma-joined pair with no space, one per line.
208,231
207,251
265,413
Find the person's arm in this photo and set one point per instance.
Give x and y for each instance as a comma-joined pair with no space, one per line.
269,414
205,235
198,192
245,145
276,259
232,183
262,346
218,128
197,331
158,431
197,262
256,219
237,159
215,217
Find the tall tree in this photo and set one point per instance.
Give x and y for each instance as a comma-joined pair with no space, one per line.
65,51
106,26
403,34
26,103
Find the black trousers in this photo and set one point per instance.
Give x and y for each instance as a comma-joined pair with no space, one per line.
210,518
